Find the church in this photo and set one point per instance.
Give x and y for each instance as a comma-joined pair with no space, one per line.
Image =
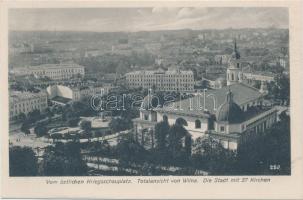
231,115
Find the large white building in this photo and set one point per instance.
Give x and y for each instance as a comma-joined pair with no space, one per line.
25,102
53,71
230,114
171,80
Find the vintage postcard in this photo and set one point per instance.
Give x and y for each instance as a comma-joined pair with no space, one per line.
151,100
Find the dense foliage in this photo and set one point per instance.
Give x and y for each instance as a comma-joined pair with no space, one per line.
63,160
269,153
22,161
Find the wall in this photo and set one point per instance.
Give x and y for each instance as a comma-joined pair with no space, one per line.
51,91
190,123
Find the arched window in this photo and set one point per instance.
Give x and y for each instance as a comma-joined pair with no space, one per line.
197,124
232,77
181,121
165,118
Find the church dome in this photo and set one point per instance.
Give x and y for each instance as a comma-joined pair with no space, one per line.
229,111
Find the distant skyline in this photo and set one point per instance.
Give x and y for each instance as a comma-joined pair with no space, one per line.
145,19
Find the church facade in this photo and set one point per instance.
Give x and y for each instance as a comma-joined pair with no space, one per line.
231,115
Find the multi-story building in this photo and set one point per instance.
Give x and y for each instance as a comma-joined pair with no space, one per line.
171,80
25,102
54,71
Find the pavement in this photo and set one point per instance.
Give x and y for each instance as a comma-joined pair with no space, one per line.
20,139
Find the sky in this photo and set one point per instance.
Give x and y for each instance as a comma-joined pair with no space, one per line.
145,19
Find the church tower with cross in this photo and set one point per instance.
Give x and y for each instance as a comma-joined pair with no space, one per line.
234,70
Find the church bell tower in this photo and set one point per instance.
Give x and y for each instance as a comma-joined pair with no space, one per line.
234,69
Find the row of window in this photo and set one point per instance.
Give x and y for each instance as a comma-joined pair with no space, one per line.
27,109
162,76
160,85
28,103
161,81
179,121
60,71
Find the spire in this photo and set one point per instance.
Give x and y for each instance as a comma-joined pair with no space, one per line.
236,54
235,45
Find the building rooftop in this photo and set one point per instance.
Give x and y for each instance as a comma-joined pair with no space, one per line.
263,73
242,94
55,66
19,96
62,100
224,136
152,72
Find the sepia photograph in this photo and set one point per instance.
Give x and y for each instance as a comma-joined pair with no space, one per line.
149,91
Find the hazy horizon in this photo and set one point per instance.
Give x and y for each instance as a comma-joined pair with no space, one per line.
145,19
88,31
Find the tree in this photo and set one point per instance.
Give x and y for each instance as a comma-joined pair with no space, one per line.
40,130
80,108
64,160
56,109
25,128
181,122
73,122
147,169
130,151
49,113
67,112
21,116
210,155
280,88
86,125
22,161
270,148
161,134
33,116
120,124
188,145
99,148
176,143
